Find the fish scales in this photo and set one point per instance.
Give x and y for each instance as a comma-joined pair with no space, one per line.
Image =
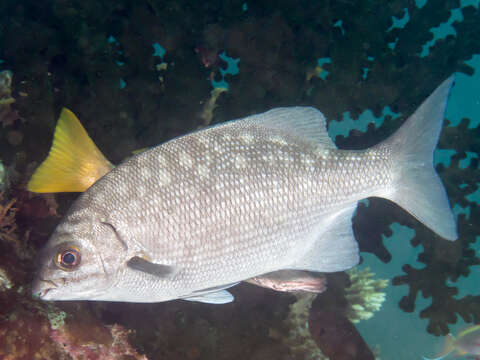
260,202
259,199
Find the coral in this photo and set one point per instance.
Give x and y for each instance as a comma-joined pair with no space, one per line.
5,281
31,329
7,114
56,317
70,62
210,105
363,298
25,333
332,331
299,338
8,227
364,294
115,347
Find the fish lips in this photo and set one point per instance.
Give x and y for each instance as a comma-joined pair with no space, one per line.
41,288
55,291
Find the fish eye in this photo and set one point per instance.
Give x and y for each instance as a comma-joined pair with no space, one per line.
68,259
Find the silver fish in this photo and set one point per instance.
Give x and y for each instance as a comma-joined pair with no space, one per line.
198,214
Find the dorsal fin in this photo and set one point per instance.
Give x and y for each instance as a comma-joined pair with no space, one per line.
74,162
305,122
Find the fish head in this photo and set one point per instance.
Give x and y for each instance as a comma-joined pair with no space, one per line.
80,261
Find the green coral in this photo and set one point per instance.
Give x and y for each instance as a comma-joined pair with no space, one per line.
56,317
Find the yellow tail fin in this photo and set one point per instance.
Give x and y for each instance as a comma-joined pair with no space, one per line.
74,162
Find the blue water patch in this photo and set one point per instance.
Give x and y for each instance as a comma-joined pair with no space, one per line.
111,40
475,196
158,50
443,156
469,285
387,326
465,3
115,45
339,24
457,210
399,23
464,163
446,28
321,62
344,126
442,31
420,3
365,72
461,106
232,69
393,44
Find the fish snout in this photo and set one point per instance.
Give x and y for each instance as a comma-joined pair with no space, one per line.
41,287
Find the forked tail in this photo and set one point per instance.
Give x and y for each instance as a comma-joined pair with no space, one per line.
417,187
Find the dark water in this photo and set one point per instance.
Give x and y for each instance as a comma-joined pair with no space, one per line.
140,73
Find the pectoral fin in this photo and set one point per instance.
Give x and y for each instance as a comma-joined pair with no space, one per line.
140,264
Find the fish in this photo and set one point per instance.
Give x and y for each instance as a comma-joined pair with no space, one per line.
263,196
291,281
466,343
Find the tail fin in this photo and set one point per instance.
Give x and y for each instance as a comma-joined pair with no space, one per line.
417,187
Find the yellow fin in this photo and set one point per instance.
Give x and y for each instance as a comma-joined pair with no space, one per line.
74,162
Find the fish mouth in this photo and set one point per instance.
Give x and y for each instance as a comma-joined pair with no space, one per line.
41,287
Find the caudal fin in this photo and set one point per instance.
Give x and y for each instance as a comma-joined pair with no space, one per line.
417,187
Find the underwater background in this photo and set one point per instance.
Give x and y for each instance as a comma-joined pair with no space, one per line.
138,73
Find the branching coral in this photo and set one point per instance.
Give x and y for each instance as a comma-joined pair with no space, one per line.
363,298
364,295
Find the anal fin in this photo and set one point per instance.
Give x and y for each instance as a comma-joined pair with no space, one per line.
213,295
333,247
